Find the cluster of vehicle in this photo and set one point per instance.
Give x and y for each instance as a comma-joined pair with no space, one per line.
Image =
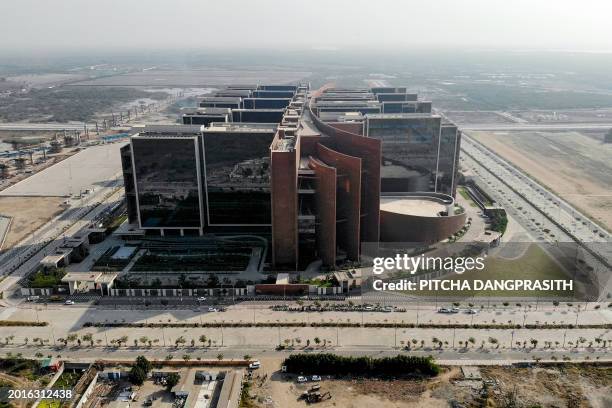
53,298
304,378
337,308
452,310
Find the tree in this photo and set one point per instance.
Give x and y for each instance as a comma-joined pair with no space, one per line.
172,380
142,362
186,357
213,281
219,356
202,340
88,337
137,375
494,341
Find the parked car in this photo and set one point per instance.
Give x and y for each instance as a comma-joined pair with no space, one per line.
255,365
69,302
471,311
201,299
302,379
444,310
33,298
212,309
315,378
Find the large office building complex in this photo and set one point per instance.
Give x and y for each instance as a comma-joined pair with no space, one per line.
316,173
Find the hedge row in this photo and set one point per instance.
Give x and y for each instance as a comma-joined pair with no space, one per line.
337,324
331,364
6,323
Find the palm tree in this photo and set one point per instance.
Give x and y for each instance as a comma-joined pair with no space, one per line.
494,341
88,337
181,340
219,356
202,340
472,340
186,357
247,356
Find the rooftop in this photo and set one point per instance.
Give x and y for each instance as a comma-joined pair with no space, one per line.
216,127
418,206
402,116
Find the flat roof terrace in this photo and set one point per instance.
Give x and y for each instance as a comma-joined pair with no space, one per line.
418,206
240,127
401,115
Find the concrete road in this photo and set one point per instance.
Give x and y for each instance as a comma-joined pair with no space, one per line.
534,127
545,216
447,356
45,126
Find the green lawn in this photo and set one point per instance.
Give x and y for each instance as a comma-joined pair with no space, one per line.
535,264
50,404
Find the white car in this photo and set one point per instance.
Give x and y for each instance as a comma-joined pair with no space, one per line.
316,378
201,299
471,311
69,302
212,309
302,379
33,298
255,365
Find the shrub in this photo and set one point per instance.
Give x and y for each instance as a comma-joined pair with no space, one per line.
397,366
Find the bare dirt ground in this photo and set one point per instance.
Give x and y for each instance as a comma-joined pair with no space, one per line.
28,213
575,166
571,386
568,386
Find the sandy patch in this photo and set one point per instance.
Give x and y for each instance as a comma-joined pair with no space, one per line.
29,214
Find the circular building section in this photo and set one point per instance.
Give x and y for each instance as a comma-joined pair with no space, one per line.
418,217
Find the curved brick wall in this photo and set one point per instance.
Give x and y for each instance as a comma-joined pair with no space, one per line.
397,227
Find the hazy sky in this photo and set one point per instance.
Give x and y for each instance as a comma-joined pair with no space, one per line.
497,24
